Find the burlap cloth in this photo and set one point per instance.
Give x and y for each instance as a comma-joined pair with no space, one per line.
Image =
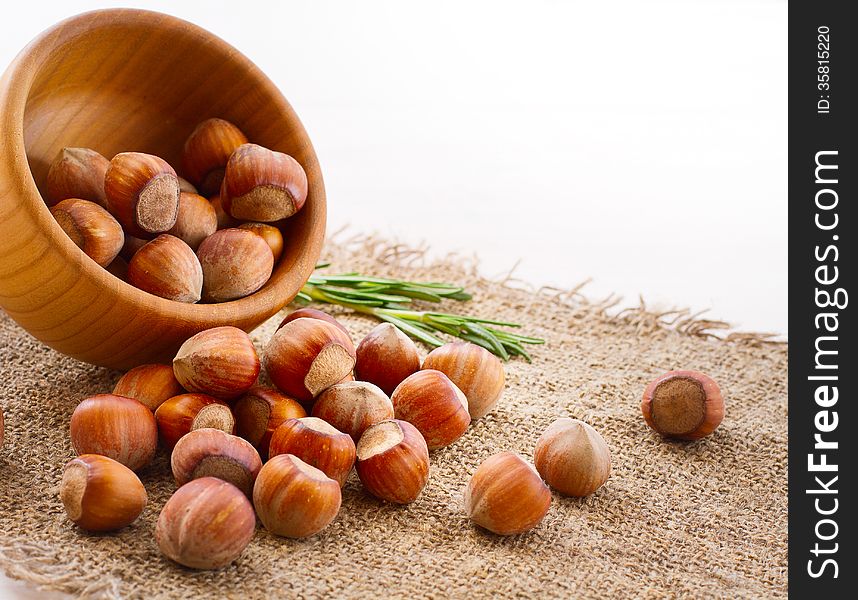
704,519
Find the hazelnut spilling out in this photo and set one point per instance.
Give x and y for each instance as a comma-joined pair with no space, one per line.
270,234
100,494
207,151
261,411
206,524
151,385
167,267
142,193
318,444
572,457
117,427
195,221
686,405
188,412
474,370
91,228
506,495
77,173
393,461
307,356
221,362
211,452
385,357
293,499
352,406
262,185
434,405
235,263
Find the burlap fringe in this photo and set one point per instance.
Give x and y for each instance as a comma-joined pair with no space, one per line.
644,318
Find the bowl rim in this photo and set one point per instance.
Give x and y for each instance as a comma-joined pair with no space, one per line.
15,87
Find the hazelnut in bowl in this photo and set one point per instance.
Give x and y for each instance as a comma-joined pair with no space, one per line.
123,80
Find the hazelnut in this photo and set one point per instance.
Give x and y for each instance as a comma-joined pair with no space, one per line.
270,234
260,411
224,221
91,228
307,356
385,357
434,405
312,313
352,406
235,262
686,405
206,524
77,173
188,412
474,370
142,193
262,185
100,494
187,186
168,268
131,246
506,495
293,499
316,443
117,427
572,457
393,461
220,362
207,151
211,452
151,385
195,221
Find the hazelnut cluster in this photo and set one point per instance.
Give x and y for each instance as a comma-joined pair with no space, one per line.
241,451
212,237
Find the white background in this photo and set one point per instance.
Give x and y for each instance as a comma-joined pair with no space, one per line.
641,144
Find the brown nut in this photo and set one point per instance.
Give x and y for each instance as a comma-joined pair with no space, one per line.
235,262
260,411
262,185
316,443
572,457
352,406
195,221
506,495
272,236
91,228
307,356
184,413
100,494
293,499
150,385
224,221
434,405
221,362
207,151
686,405
168,268
77,173
187,186
312,313
393,461
117,427
385,357
474,370
206,524
142,193
211,452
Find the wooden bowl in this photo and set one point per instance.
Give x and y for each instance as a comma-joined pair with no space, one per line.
113,81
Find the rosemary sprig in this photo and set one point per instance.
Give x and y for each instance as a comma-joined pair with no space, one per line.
391,300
